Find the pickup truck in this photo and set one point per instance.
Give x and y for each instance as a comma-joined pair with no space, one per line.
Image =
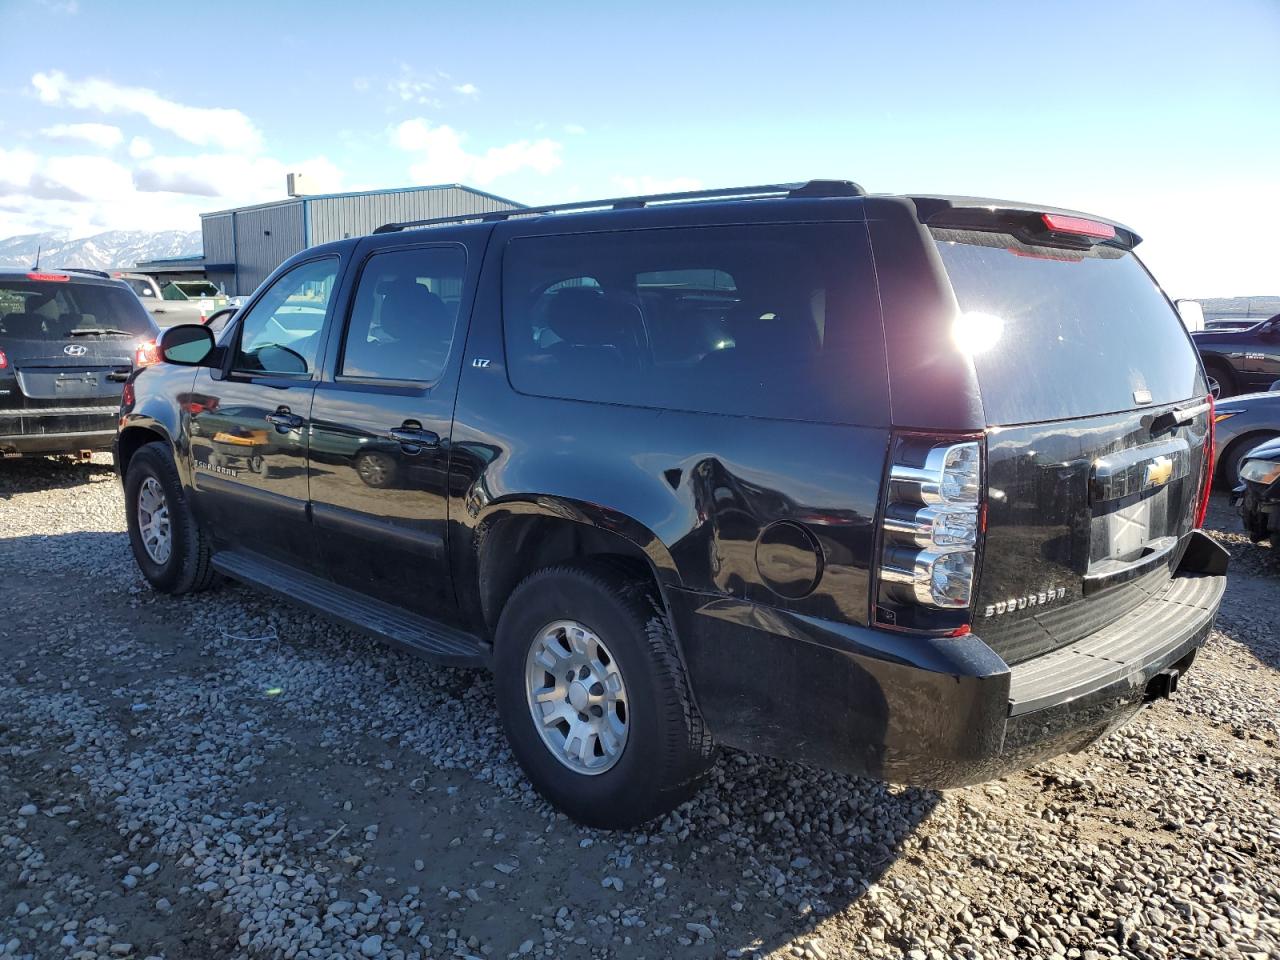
179,301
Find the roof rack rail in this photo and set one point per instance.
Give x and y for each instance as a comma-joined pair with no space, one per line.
809,189
95,273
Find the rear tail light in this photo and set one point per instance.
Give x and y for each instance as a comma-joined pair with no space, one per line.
1209,449
4,361
146,354
127,396
932,526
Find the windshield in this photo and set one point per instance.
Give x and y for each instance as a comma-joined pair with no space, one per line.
1061,333
56,310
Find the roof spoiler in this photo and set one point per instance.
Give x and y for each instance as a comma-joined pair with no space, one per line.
1039,224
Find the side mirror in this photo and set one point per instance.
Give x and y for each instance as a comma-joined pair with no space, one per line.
187,345
1192,314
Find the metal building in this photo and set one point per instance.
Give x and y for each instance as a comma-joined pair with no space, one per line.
243,246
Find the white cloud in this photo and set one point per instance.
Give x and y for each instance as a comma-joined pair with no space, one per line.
360,84
204,126
409,88
575,129
140,147
444,159
238,178
102,135
68,7
82,195
467,89
639,186
17,167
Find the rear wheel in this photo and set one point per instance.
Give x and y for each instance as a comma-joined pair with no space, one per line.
169,547
593,697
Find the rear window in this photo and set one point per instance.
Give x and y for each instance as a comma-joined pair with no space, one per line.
191,289
55,310
1059,333
770,320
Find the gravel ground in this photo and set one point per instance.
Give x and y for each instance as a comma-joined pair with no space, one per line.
225,776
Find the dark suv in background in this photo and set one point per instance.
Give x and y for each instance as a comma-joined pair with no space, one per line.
904,486
69,339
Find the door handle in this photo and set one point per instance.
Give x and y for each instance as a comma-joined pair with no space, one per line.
412,435
282,419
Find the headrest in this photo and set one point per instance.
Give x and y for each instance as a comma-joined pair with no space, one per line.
27,325
408,308
762,331
584,316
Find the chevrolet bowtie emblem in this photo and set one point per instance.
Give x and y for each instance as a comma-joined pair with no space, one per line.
1159,472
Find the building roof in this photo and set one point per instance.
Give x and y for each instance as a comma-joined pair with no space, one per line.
307,198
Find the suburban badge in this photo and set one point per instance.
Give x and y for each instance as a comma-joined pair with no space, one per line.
1028,600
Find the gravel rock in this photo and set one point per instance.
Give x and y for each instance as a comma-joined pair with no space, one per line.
238,799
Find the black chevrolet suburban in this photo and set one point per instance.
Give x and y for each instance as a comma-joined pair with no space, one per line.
904,486
69,339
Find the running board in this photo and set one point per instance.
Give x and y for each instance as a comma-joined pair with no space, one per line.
441,643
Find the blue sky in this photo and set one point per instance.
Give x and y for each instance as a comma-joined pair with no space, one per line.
1160,114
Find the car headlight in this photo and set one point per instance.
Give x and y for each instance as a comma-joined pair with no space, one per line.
1260,471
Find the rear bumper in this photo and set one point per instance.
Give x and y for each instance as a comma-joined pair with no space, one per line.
933,712
46,430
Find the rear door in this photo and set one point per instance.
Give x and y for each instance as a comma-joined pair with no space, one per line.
1097,421
249,423
380,425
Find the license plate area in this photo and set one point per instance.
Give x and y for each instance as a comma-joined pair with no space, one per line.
1136,500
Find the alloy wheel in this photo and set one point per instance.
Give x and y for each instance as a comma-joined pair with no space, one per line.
577,697
153,521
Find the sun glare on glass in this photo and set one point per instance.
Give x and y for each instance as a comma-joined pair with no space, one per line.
975,332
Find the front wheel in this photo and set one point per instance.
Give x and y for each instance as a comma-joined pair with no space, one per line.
593,697
168,546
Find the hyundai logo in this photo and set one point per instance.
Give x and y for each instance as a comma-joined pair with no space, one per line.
75,350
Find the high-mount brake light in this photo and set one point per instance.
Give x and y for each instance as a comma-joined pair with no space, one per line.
53,277
1078,226
933,522
1202,507
147,353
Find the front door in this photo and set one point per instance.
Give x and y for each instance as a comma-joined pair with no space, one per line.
380,427
249,421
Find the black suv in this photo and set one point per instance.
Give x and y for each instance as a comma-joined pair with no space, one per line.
904,486
1241,361
69,339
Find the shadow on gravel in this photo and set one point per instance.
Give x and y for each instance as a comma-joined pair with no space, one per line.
49,473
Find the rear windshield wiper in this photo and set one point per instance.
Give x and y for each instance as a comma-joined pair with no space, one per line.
100,331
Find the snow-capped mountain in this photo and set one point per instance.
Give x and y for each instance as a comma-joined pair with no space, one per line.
104,251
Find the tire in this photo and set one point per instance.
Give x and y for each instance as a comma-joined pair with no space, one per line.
186,566
666,750
1224,375
1229,463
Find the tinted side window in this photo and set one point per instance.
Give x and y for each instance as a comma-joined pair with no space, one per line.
281,332
403,315
769,320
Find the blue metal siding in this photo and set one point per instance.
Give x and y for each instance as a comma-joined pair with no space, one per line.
334,218
218,233
264,238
